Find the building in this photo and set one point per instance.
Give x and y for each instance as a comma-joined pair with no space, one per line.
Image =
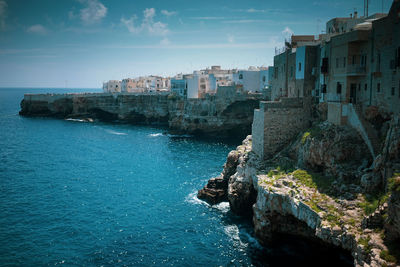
112,86
129,85
252,80
179,86
197,84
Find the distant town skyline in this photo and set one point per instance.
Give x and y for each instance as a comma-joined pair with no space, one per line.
81,43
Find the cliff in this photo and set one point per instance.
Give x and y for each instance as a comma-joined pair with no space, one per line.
137,108
315,187
222,117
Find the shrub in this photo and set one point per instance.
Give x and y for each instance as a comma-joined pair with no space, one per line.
387,256
364,241
305,136
372,202
394,183
313,180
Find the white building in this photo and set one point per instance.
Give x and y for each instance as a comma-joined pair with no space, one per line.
253,80
197,84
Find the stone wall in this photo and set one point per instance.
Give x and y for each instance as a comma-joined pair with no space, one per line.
277,123
214,116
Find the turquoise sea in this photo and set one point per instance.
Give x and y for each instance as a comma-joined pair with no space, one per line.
95,194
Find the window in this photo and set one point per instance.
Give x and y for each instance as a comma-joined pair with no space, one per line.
299,66
291,71
378,88
337,62
363,60
359,87
392,91
264,78
241,76
353,60
338,88
344,62
365,87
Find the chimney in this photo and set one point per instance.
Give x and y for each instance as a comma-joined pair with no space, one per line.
355,14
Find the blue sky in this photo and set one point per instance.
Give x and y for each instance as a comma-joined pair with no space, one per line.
81,43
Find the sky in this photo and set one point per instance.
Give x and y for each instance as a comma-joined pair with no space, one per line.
81,43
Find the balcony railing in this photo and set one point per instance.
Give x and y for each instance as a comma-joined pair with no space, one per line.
356,69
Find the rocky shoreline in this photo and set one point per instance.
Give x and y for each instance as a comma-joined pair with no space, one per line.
322,186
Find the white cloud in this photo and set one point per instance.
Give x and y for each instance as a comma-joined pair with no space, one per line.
148,24
3,15
168,13
252,10
37,29
130,24
287,33
93,13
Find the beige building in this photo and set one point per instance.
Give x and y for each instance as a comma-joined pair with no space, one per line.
129,85
112,86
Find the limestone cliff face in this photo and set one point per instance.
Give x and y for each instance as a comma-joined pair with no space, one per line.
211,116
336,151
241,191
107,107
387,163
393,222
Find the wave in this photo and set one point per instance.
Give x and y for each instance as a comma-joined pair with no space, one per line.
79,120
116,133
193,199
223,207
155,134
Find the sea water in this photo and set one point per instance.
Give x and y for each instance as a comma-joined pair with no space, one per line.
95,194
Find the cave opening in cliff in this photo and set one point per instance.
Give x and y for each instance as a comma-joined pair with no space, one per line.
291,250
289,241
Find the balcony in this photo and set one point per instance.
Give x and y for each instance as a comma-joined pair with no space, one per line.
356,70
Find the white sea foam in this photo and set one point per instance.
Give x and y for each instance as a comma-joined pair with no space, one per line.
77,120
233,232
114,132
223,207
193,199
155,134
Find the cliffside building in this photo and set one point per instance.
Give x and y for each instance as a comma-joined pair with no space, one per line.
252,80
112,86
